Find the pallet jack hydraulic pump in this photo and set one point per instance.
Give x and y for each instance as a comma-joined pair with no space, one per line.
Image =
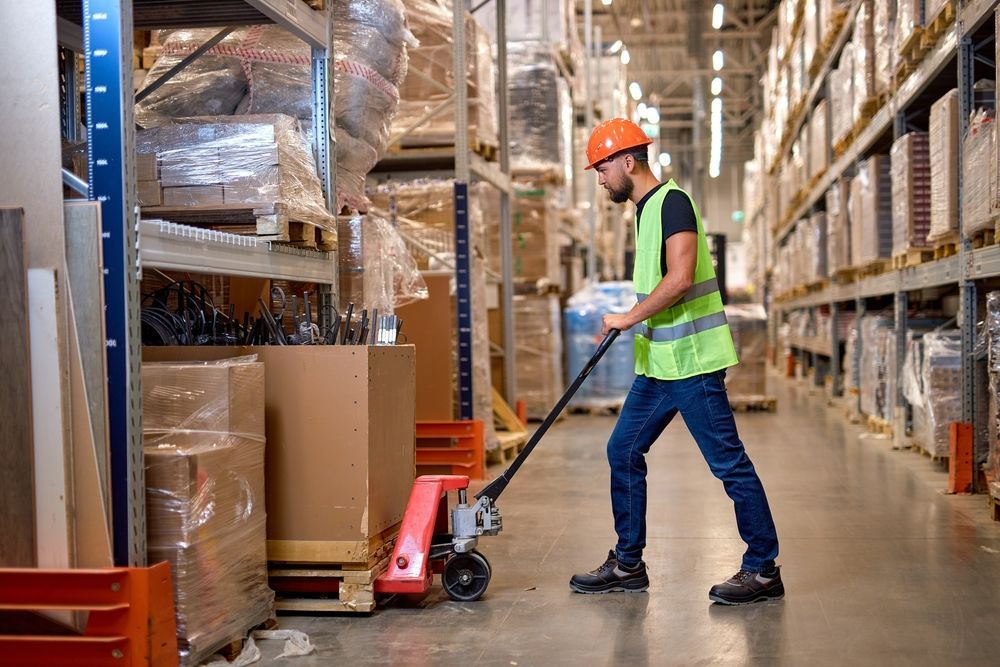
425,545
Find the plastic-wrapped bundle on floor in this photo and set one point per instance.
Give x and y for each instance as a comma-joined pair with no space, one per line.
884,28
611,380
993,359
235,161
944,144
539,100
911,192
852,380
913,386
748,324
538,346
942,378
864,60
977,154
842,95
873,370
838,226
871,211
203,437
426,114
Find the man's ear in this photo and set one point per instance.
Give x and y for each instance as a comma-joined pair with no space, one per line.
629,163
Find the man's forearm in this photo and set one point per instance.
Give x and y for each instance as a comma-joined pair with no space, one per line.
669,291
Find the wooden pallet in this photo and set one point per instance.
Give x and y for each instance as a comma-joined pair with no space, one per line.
232,649
911,50
869,108
325,589
359,554
877,425
840,147
753,403
902,73
876,268
846,275
994,508
939,25
984,237
540,174
269,222
912,257
511,433
945,250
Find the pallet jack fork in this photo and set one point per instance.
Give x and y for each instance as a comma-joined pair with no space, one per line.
425,546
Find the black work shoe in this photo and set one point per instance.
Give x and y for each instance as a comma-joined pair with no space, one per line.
746,587
611,577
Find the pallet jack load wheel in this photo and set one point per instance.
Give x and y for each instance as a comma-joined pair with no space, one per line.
466,576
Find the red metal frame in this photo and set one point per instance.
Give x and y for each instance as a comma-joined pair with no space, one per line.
466,457
411,569
960,466
131,619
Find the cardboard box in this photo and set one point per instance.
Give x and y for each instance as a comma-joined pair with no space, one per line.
150,193
430,328
146,167
340,454
194,195
192,166
252,190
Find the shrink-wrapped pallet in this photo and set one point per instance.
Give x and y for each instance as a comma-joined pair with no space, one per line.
909,21
549,21
838,226
871,211
864,60
977,156
540,111
748,324
942,380
876,369
538,344
883,27
993,365
944,145
811,33
534,237
203,445
817,258
237,162
426,115
842,95
911,192
819,139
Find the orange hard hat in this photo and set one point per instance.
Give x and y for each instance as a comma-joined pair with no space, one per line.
613,136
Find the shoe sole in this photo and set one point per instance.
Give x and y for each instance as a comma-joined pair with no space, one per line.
764,597
616,589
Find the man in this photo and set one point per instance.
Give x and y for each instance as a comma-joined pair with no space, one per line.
682,347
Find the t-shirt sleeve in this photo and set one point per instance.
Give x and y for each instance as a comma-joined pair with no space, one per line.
677,215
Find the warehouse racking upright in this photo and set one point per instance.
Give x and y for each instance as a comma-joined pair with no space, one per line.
962,55
101,30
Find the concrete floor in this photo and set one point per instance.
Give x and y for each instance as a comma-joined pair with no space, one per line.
880,567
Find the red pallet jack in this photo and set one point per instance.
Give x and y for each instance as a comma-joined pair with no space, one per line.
425,546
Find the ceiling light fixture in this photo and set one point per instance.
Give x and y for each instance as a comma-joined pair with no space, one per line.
717,86
616,47
718,60
717,13
653,115
641,108
664,159
635,90
606,3
625,57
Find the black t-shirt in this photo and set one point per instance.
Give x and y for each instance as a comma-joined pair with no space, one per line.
676,215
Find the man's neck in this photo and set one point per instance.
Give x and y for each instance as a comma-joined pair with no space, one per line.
643,183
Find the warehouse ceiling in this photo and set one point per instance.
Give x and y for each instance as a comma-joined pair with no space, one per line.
670,45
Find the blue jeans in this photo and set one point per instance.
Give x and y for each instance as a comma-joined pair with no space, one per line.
702,400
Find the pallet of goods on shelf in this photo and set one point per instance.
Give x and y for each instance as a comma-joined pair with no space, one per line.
978,154
993,365
426,116
871,214
883,30
944,146
746,383
842,101
423,211
876,371
865,95
203,437
251,174
534,236
939,15
819,142
838,226
538,343
909,30
911,191
941,374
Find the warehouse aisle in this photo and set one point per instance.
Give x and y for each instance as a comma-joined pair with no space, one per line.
880,567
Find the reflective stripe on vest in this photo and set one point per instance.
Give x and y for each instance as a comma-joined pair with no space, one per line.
678,331
698,290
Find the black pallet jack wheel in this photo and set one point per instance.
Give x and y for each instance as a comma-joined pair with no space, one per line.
466,576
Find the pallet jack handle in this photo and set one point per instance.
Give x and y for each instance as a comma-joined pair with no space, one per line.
496,487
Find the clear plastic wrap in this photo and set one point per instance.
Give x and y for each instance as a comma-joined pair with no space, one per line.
977,155
253,160
549,21
373,33
883,28
942,381
538,100
748,324
913,386
874,371
871,211
911,192
993,365
831,12
838,226
426,117
534,234
908,20
944,145
852,380
819,142
538,346
811,37
864,59
842,95
203,437
376,267
609,383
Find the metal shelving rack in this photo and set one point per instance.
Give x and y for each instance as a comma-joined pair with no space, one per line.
961,271
129,244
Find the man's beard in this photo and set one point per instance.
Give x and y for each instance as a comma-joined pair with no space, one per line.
621,194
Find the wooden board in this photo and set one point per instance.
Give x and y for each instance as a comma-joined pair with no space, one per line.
505,415
17,513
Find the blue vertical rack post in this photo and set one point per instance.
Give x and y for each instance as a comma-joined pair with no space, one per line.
107,34
463,256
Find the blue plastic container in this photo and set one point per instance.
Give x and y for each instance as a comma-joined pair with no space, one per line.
610,382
